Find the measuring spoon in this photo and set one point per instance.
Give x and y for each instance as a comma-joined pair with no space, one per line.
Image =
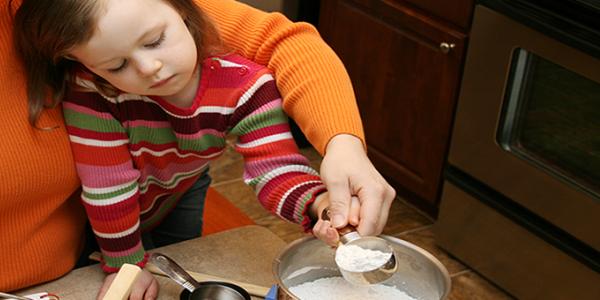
197,290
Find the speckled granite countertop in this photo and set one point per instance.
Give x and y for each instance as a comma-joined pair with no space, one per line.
243,254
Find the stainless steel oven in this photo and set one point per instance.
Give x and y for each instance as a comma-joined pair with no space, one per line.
521,197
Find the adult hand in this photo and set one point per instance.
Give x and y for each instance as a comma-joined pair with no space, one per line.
145,286
347,171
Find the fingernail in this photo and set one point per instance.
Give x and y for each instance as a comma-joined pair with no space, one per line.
337,220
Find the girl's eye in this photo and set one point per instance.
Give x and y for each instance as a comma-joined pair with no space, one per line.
119,68
156,42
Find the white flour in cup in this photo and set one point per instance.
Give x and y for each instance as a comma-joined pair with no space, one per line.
357,259
337,288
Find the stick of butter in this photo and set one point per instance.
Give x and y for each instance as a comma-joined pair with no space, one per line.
120,288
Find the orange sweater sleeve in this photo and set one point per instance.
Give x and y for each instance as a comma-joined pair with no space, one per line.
316,88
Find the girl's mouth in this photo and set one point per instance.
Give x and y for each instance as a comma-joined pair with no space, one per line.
162,82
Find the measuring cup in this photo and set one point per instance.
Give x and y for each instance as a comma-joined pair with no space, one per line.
349,236
197,290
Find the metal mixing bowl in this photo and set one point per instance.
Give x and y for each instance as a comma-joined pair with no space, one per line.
419,273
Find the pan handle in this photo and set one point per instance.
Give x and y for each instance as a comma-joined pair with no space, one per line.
174,271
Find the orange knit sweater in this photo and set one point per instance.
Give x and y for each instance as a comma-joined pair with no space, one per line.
41,228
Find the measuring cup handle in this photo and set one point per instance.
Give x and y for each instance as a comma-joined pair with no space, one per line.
174,271
347,233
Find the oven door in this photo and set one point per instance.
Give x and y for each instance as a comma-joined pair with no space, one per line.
528,123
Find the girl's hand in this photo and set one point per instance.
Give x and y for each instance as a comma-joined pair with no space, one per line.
144,288
323,229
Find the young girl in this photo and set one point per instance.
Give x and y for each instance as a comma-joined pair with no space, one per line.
148,101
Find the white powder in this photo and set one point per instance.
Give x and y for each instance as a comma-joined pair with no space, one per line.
356,259
337,288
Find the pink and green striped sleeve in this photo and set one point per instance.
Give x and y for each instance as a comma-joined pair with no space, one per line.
109,180
281,177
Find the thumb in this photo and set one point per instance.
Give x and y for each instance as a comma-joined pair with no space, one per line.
339,205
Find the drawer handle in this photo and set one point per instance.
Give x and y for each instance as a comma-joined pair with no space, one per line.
446,47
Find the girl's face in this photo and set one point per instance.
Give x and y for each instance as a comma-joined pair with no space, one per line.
142,47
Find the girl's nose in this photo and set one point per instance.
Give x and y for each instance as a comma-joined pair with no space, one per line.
149,67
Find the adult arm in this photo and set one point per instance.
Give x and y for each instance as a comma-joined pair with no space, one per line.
317,92
318,95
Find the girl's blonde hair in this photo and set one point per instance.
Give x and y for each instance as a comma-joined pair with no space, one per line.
46,30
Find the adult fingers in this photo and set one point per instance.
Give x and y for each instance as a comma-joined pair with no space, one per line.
353,218
339,202
383,216
388,198
370,210
375,197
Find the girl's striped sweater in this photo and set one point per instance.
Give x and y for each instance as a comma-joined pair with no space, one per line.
137,155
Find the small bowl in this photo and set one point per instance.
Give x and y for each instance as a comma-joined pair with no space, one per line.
216,290
419,274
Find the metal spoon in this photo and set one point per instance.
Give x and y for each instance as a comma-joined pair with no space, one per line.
174,271
349,236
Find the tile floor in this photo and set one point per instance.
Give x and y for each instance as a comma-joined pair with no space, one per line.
404,222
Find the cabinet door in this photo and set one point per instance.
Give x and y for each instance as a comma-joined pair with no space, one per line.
405,75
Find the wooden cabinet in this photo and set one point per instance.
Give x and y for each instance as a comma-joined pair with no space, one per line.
405,65
457,12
